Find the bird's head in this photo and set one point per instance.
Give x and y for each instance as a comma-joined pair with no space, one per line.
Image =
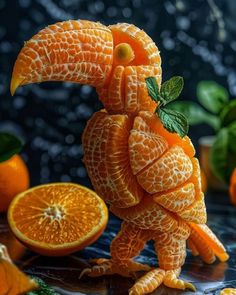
83,52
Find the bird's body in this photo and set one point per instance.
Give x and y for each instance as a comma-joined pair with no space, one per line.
148,175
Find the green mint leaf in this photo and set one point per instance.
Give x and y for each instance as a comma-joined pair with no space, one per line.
44,289
195,114
228,114
9,146
173,121
153,89
172,88
212,96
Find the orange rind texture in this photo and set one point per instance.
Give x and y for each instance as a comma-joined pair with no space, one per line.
14,179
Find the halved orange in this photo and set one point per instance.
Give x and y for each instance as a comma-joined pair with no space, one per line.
57,219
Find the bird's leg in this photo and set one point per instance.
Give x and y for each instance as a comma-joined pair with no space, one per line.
127,244
171,251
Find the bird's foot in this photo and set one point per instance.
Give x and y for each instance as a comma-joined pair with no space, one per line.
154,278
108,267
171,280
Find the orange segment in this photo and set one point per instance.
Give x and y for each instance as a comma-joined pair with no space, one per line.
196,212
209,237
57,219
105,142
171,170
147,215
146,51
13,281
112,94
144,101
157,127
201,248
144,146
131,89
136,94
75,50
196,178
177,200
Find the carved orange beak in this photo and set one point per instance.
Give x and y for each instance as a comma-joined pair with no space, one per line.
75,51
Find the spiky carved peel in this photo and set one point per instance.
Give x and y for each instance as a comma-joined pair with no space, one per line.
148,175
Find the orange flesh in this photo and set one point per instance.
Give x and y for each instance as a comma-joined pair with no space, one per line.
103,135
211,240
142,44
57,217
149,176
13,281
76,51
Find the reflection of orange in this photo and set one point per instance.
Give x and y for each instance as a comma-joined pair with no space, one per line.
14,178
232,187
57,219
14,247
204,181
13,281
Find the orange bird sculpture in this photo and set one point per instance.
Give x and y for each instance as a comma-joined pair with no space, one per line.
148,175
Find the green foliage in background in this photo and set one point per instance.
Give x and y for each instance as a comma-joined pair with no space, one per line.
218,111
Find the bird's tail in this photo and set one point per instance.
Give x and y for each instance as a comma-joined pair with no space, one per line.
202,241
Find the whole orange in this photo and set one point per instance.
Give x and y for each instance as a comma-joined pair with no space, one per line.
14,178
232,187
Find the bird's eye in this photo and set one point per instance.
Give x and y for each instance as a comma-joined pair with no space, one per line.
123,54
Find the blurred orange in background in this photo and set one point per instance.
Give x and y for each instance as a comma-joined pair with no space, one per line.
232,187
203,181
14,247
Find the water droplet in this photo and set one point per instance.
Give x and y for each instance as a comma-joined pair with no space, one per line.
81,172
127,12
19,102
69,139
112,11
168,43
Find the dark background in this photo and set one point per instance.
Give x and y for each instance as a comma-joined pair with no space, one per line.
196,39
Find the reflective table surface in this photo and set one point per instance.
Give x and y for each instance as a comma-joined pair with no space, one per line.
62,273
